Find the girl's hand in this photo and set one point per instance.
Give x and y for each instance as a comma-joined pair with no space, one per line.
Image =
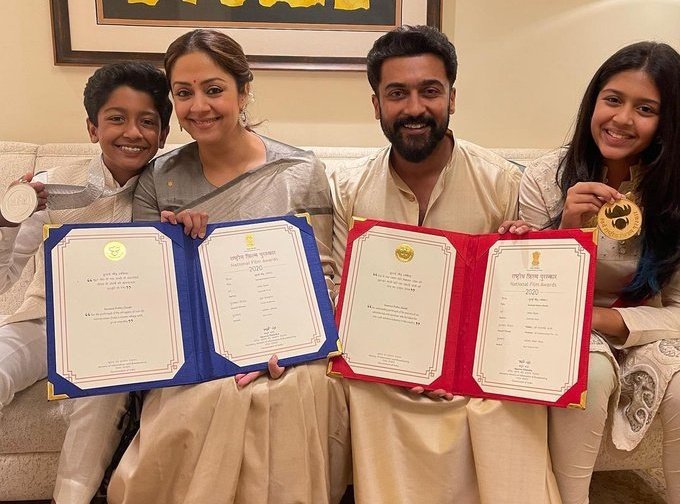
518,227
584,200
275,371
194,222
610,323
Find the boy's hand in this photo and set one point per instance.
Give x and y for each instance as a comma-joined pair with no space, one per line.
275,371
194,222
518,227
40,192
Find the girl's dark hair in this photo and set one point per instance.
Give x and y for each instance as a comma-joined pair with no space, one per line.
221,48
659,186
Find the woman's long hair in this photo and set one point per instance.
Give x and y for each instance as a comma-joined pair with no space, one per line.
659,185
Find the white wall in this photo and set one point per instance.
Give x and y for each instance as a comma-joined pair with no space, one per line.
523,67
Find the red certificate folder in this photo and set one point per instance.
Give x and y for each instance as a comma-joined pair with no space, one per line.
510,314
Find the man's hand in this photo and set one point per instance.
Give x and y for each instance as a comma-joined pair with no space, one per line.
275,371
518,227
194,222
433,394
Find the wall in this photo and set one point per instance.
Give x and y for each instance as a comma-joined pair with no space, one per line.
523,66
43,103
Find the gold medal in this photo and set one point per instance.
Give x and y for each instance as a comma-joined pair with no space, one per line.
404,252
620,219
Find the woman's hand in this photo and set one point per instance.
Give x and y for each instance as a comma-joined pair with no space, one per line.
584,200
40,192
194,222
275,371
518,227
433,394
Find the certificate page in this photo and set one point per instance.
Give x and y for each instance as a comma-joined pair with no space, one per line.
116,313
259,292
531,318
396,304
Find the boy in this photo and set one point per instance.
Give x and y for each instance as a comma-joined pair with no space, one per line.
128,114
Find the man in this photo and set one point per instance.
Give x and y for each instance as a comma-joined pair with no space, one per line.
407,447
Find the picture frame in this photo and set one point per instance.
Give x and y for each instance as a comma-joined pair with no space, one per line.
82,35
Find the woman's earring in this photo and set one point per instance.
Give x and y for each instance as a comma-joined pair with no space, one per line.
243,118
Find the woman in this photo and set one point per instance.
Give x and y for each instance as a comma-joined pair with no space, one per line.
248,439
626,144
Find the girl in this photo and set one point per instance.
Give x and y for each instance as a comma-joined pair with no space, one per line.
626,144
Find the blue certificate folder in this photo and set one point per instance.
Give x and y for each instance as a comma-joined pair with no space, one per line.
95,335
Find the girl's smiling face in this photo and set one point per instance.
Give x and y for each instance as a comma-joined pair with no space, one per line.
625,118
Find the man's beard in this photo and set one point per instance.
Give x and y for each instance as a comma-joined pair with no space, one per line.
415,148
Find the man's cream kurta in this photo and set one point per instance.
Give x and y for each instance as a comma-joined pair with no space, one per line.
409,448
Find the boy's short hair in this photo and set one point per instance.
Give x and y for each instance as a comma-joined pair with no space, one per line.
410,41
138,75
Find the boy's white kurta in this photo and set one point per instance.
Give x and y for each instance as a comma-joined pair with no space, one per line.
410,448
92,435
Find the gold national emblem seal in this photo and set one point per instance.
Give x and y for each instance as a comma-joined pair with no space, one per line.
250,241
620,219
114,251
404,252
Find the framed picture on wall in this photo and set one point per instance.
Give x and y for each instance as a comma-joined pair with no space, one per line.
275,34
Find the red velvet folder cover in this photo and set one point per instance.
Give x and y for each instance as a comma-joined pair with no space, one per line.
472,253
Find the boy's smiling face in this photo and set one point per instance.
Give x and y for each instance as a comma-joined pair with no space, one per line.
128,131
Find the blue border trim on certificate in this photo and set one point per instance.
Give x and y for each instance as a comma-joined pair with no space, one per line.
202,363
187,374
224,367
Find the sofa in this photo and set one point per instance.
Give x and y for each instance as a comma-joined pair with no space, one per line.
32,428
